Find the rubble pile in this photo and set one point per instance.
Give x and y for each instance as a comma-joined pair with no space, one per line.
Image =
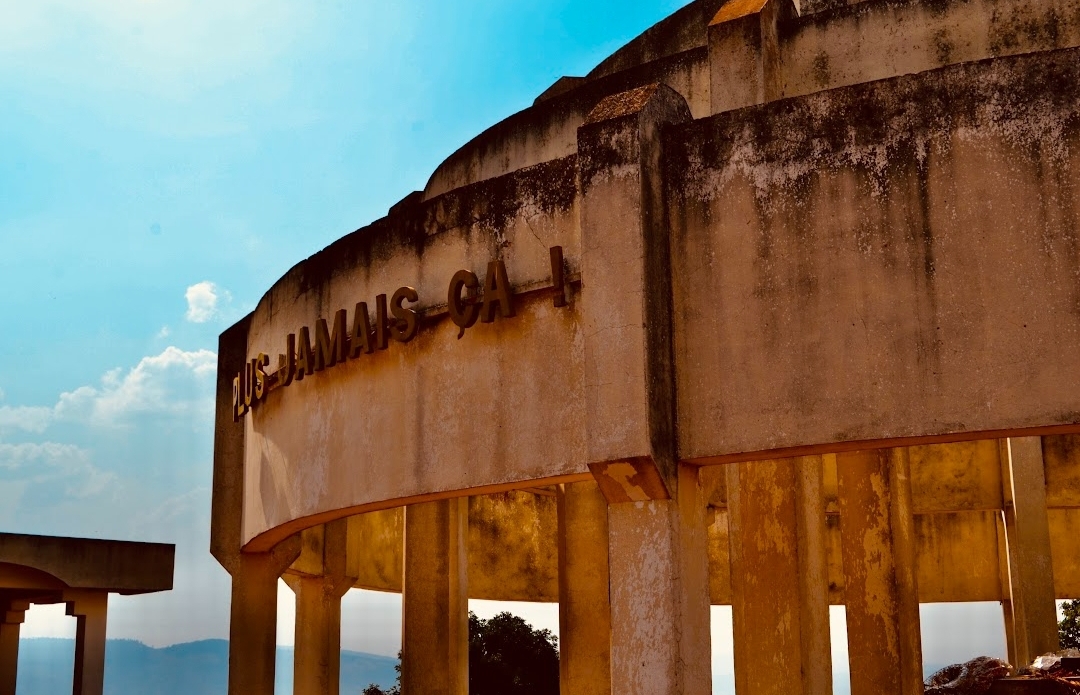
1060,672
1050,674
975,677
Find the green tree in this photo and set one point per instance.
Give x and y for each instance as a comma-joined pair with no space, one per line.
1069,627
506,657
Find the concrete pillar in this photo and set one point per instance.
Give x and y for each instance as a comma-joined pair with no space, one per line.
659,588
813,575
317,651
878,548
435,601
744,53
584,608
779,577
1005,580
12,614
90,611
1034,628
253,621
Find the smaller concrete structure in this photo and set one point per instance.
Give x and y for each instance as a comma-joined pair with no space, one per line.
81,573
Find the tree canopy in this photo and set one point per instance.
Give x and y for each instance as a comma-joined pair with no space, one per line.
506,657
1069,627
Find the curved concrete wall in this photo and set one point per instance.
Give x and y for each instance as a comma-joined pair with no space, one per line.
889,260
881,263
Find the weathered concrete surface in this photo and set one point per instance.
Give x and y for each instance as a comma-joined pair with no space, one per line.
853,265
780,608
875,40
673,52
584,603
512,547
660,642
629,370
319,577
80,572
90,611
1027,529
956,495
435,604
889,260
122,567
253,617
12,615
410,436
884,643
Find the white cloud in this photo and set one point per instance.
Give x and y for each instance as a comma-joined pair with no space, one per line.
164,332
168,46
28,418
183,506
174,382
47,461
202,300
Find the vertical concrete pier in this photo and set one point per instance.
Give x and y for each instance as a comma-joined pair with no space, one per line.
435,602
584,605
779,577
658,560
1034,627
884,642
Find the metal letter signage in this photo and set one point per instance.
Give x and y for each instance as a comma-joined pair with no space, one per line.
335,343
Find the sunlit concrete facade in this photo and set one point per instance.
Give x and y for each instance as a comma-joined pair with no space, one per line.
81,573
778,308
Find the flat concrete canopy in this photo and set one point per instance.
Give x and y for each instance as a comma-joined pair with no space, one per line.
80,572
121,567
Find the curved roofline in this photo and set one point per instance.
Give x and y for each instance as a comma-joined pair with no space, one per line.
684,30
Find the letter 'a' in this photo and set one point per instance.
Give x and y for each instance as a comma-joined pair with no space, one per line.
497,293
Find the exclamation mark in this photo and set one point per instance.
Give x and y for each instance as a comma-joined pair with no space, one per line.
557,280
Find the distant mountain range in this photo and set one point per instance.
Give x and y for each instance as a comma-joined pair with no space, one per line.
201,668
195,668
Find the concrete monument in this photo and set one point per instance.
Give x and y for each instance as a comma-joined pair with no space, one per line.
778,307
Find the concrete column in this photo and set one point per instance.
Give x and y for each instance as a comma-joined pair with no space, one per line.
813,575
659,587
435,601
877,536
584,608
1004,578
90,611
253,623
317,652
12,614
744,53
1034,628
779,577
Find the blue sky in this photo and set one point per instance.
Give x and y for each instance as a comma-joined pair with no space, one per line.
162,163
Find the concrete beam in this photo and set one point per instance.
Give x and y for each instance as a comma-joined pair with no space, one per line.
86,563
